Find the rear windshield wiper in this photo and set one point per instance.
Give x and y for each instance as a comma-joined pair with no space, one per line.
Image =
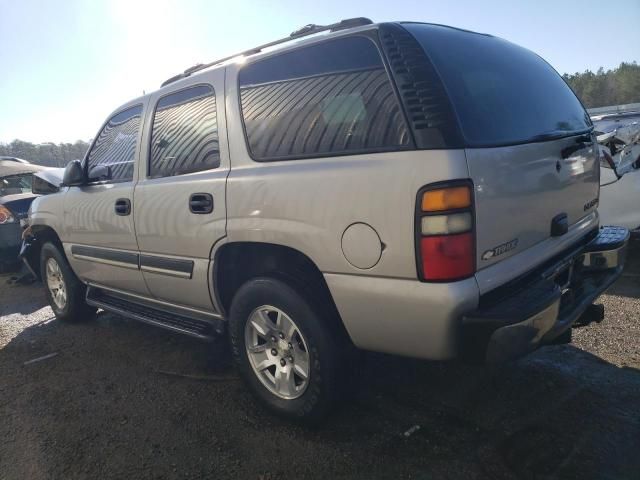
557,134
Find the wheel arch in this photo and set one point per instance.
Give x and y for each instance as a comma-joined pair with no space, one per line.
237,262
37,236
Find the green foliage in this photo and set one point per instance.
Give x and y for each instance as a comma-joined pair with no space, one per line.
47,154
613,87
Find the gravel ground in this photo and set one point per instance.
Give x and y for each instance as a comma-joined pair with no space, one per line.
106,406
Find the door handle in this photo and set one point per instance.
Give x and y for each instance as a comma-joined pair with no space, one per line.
201,203
123,207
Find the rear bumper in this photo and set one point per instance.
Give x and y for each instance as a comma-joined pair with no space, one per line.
532,314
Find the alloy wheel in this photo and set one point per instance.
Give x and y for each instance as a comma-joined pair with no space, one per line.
55,283
278,352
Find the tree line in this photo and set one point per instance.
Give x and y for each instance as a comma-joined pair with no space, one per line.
47,154
618,86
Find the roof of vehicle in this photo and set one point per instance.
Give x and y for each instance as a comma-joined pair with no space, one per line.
311,29
307,35
10,167
13,159
295,40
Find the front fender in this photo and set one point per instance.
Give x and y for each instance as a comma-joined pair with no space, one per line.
30,252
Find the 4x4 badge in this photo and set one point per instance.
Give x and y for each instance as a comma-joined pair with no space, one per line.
500,249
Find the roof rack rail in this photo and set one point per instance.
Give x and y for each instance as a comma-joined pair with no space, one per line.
307,30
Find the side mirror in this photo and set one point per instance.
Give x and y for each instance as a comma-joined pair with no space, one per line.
100,173
73,174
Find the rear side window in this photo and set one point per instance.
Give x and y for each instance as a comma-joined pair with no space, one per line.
502,93
184,137
327,99
116,144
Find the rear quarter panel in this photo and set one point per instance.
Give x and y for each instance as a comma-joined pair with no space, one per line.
307,204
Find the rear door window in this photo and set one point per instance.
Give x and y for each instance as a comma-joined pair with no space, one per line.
502,93
116,145
184,138
330,98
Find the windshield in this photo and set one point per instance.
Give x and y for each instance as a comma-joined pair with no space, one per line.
502,94
15,184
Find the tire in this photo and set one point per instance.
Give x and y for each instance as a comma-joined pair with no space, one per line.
65,292
313,347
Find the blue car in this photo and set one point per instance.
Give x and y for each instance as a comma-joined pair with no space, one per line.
16,195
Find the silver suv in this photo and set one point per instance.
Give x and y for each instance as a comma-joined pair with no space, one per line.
407,188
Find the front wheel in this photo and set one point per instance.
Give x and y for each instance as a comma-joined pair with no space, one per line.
286,350
65,291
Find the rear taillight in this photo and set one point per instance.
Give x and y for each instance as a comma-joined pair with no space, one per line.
445,241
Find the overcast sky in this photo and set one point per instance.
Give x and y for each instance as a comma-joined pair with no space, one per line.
67,64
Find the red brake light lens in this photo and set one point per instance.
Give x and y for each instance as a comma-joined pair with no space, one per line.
444,232
446,257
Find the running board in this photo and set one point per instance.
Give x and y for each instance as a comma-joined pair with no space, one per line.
176,322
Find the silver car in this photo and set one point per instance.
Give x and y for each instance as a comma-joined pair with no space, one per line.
407,188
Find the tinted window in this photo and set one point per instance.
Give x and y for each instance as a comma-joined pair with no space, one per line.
502,93
184,138
115,147
330,98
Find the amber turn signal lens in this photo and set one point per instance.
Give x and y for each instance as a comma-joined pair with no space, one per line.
446,199
6,216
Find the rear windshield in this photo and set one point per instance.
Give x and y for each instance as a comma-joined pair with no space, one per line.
502,94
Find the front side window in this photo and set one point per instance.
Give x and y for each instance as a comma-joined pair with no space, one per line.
327,99
115,147
184,138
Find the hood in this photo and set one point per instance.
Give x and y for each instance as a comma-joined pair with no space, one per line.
51,175
18,204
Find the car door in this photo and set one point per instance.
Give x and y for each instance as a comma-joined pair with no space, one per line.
179,206
99,237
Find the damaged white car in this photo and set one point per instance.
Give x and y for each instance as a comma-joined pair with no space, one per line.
619,139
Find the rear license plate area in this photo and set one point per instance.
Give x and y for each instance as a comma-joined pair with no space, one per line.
563,278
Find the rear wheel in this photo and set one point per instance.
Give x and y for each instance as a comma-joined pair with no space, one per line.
65,292
285,349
